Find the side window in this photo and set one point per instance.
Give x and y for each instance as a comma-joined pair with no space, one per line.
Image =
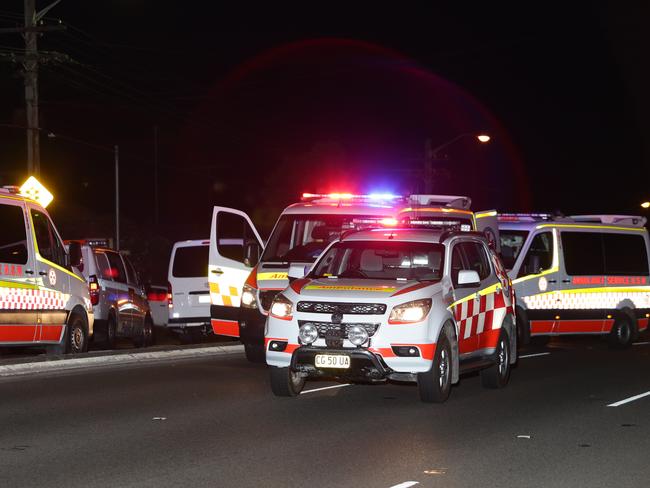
234,232
539,256
13,238
132,275
477,259
583,253
103,266
456,264
49,245
625,255
116,270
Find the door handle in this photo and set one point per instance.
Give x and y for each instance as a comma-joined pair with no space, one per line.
566,281
216,271
42,273
552,281
29,271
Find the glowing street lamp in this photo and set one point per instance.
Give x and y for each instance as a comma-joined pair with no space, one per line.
483,138
645,205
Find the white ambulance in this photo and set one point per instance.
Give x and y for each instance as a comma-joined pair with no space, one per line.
583,274
243,284
42,301
400,304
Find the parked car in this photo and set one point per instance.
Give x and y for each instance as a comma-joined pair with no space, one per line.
158,303
188,290
117,295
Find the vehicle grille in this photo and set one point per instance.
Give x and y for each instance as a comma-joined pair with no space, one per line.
330,329
346,308
266,298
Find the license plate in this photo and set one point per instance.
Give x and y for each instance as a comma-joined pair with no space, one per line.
204,298
337,361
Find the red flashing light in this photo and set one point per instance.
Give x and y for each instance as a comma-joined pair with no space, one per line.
93,289
389,222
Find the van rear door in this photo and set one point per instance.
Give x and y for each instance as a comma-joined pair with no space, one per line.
188,275
232,238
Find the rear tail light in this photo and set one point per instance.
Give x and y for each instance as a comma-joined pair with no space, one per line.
93,289
170,299
157,296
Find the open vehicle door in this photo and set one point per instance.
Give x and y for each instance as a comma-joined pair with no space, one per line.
487,223
235,247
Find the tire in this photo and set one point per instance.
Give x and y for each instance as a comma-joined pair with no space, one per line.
76,335
523,327
255,353
286,383
434,386
497,375
111,332
145,338
622,334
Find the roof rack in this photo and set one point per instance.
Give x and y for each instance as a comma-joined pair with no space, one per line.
523,217
450,201
11,189
631,220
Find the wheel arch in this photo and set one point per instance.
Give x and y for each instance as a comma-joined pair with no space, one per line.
449,330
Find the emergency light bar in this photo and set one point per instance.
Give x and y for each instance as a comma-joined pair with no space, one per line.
437,224
350,196
523,217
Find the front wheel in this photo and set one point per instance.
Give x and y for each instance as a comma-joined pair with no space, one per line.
434,386
497,375
622,334
286,383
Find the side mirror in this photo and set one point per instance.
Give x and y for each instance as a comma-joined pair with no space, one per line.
251,254
74,253
297,271
468,278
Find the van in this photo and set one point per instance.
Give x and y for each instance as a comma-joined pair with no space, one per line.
43,302
188,291
583,274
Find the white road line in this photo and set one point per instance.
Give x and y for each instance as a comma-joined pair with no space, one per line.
324,388
628,400
406,484
534,355
640,343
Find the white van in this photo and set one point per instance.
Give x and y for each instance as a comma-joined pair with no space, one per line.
188,291
242,289
583,274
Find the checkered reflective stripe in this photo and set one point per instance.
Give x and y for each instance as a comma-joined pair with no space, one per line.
576,300
478,315
32,299
228,296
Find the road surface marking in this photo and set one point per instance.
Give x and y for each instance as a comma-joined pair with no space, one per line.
406,484
324,388
628,400
641,343
534,355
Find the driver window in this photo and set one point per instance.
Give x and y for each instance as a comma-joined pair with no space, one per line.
233,232
539,256
456,264
49,245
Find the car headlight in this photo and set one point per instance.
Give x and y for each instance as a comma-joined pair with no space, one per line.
308,334
248,299
357,335
410,312
282,307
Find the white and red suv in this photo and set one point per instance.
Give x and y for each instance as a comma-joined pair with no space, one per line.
395,304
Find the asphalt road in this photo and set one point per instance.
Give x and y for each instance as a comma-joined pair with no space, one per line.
215,423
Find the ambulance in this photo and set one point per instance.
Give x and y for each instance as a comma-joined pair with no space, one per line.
582,274
413,305
243,284
43,302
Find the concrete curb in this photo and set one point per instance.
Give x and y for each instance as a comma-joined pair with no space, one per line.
74,363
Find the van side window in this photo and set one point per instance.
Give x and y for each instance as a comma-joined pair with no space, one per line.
49,245
583,253
625,255
13,238
539,256
477,258
116,271
131,272
233,232
103,266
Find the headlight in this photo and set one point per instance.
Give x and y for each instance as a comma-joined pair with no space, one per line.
410,312
248,299
357,335
281,307
308,334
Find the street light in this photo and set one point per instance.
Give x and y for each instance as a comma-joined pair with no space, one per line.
432,154
645,205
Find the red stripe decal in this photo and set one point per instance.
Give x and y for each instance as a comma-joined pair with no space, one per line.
225,327
18,333
296,285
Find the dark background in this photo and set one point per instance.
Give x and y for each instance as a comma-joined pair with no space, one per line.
255,105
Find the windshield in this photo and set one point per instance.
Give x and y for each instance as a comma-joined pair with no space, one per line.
382,260
302,238
511,243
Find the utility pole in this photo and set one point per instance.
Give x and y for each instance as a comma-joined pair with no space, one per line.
155,174
31,90
116,150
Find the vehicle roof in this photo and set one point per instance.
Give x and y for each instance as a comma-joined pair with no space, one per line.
192,243
529,226
399,235
340,208
10,195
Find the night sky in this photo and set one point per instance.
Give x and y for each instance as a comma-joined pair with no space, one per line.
256,105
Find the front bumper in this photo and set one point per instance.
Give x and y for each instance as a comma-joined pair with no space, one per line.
364,365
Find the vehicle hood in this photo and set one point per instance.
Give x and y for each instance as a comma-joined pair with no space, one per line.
358,289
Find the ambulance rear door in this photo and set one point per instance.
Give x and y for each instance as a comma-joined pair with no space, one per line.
235,247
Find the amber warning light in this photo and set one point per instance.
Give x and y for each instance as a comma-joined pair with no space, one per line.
34,189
